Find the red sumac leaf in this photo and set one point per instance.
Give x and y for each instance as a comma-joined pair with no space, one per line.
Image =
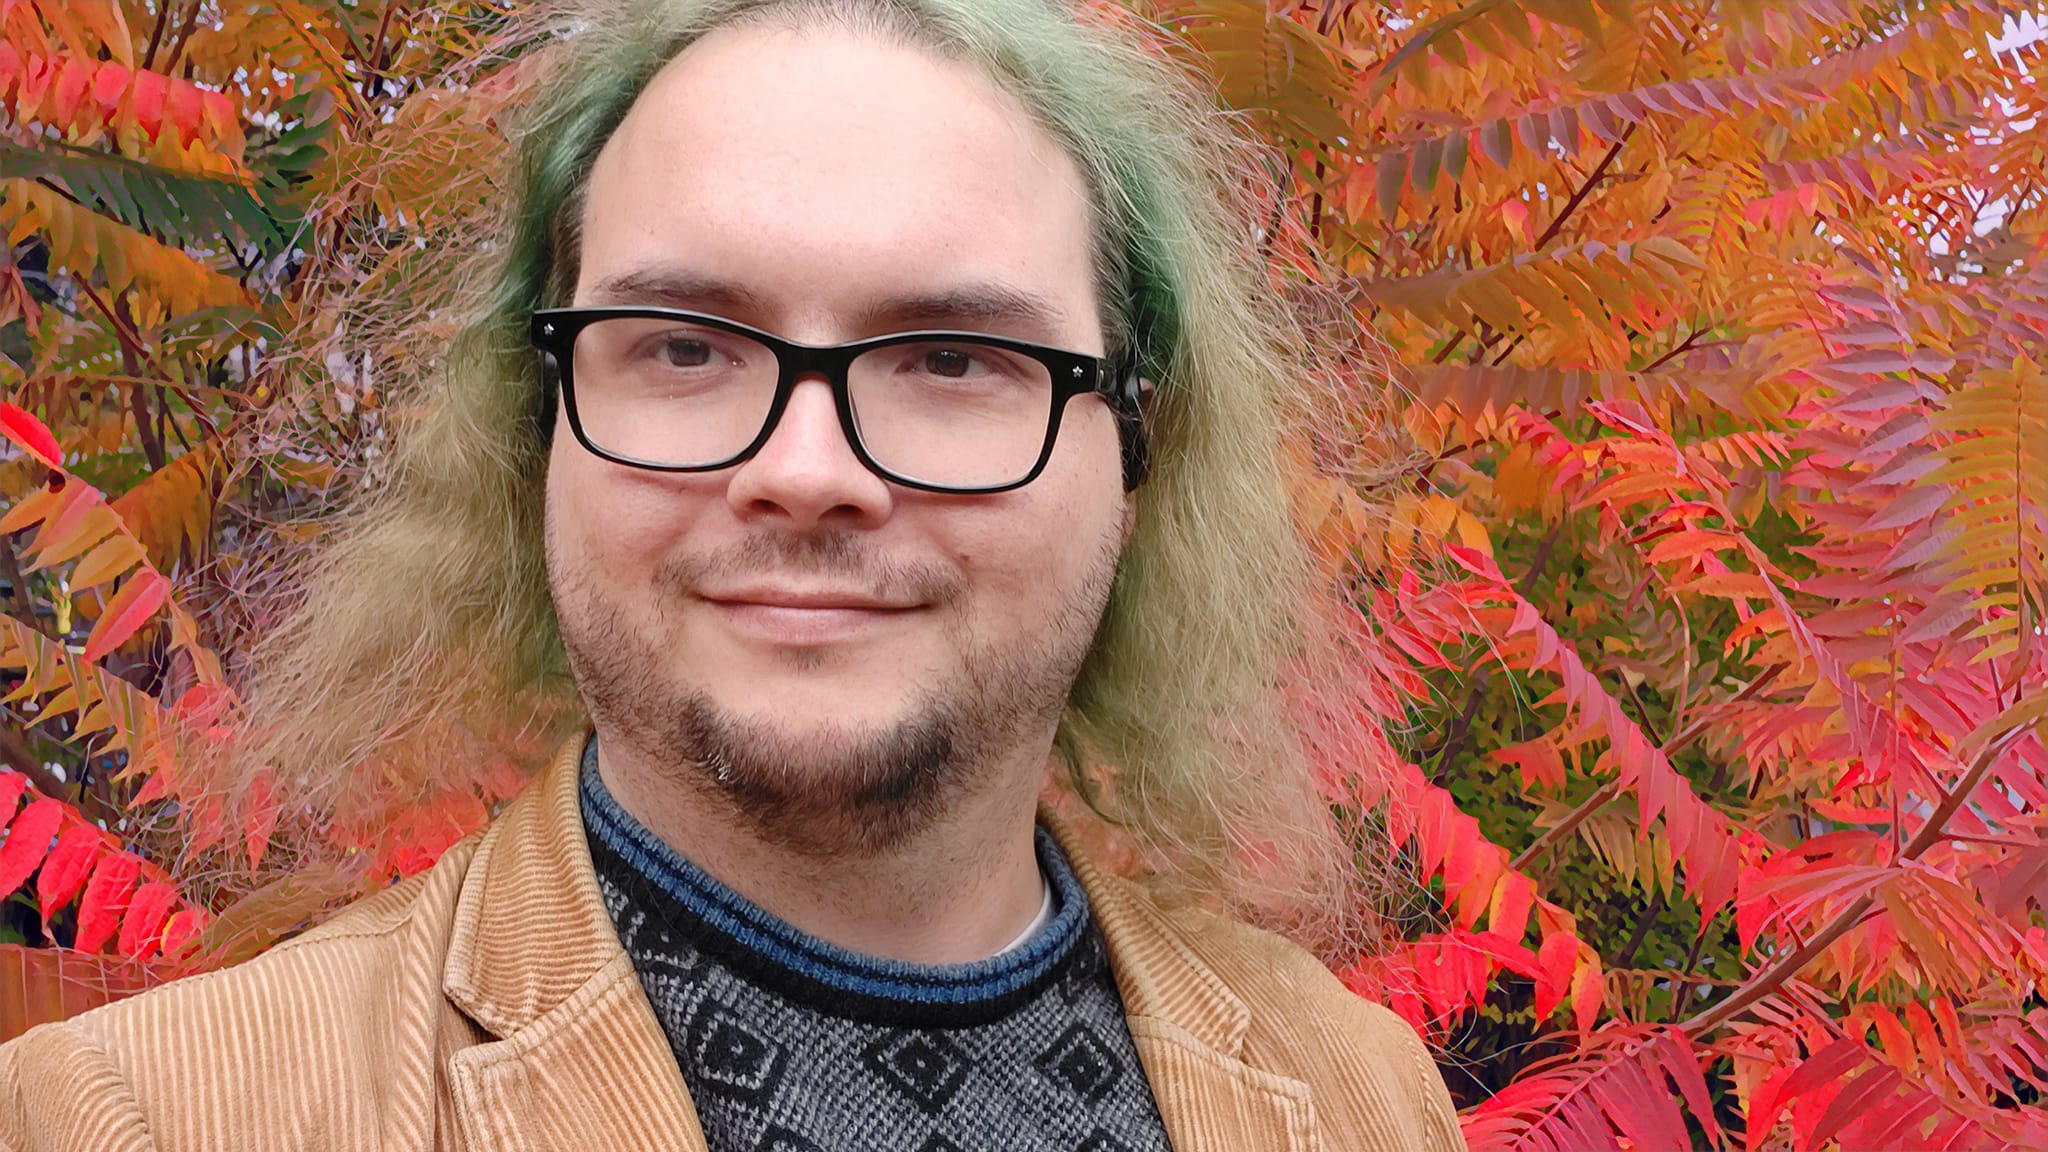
1824,1067
72,85
1557,959
1868,1088
182,929
12,785
31,434
105,900
108,87
28,841
182,107
129,610
78,848
142,928
149,101
1508,915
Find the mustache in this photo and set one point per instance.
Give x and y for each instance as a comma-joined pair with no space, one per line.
839,556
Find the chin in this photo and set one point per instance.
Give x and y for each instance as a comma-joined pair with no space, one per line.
801,710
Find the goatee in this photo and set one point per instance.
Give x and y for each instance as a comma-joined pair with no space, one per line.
821,788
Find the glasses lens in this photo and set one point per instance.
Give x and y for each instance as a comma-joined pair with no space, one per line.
671,393
953,413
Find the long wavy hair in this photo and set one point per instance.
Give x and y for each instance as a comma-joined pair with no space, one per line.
428,611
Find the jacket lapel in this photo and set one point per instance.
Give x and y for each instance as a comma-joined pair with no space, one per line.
579,1061
1189,1029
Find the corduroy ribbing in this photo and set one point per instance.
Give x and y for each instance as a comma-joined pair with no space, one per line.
495,986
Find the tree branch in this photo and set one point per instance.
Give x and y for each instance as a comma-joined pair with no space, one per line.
1584,189
1768,980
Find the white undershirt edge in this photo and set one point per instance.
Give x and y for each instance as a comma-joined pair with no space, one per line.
1044,917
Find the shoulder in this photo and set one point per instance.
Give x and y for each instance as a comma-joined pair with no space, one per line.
263,1044
1365,1067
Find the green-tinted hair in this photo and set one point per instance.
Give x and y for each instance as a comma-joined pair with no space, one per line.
430,612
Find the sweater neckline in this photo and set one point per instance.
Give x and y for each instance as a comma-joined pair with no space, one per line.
763,948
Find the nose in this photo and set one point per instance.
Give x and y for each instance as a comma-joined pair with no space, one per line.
807,474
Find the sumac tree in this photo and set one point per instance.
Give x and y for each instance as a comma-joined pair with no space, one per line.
1690,509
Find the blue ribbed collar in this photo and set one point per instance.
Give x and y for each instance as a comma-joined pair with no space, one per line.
768,950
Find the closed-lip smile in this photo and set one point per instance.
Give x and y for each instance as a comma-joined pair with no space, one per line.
814,599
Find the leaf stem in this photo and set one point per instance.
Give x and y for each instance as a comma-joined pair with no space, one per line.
1612,788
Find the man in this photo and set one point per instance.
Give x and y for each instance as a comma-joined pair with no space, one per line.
869,320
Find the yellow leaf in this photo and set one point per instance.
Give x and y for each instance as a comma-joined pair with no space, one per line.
74,538
116,555
111,25
1472,533
66,700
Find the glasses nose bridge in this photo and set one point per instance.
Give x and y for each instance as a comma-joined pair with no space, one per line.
794,362
832,361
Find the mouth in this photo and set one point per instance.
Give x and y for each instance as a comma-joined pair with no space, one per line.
804,617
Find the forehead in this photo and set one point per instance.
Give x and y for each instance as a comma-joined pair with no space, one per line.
821,170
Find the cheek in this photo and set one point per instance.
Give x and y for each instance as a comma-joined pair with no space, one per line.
1039,545
610,523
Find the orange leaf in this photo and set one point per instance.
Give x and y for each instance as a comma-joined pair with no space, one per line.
1589,987
28,841
106,898
33,436
142,928
30,510
130,609
1515,214
219,112
1687,544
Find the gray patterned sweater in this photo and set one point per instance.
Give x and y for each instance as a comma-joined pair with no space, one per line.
791,1044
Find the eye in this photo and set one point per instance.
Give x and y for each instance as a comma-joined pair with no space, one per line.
684,352
951,363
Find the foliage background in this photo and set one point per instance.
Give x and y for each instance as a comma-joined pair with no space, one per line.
1690,499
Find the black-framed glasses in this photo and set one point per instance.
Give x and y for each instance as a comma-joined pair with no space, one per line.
963,412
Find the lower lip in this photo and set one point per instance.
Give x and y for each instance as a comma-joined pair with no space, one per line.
784,624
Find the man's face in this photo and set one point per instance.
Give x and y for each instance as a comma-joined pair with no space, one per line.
835,653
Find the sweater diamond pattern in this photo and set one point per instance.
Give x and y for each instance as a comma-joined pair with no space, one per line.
788,1044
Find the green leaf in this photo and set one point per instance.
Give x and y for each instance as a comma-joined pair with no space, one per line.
176,208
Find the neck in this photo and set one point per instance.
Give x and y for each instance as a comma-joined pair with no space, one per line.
956,890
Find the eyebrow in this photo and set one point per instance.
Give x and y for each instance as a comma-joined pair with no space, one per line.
969,305
978,305
673,288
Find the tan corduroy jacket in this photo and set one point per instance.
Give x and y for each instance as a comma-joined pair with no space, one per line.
487,1004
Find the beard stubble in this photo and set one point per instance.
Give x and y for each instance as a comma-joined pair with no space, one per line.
830,789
